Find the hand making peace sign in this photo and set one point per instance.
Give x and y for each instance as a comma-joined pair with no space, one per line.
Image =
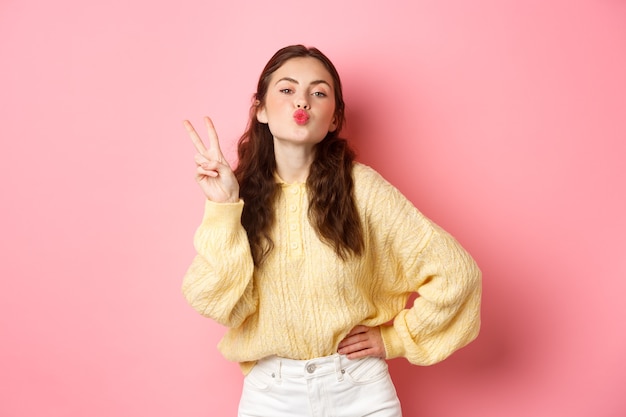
213,173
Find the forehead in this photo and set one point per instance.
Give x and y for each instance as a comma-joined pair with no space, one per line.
303,69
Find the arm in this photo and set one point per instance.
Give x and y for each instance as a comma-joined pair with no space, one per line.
446,315
444,318
416,256
219,283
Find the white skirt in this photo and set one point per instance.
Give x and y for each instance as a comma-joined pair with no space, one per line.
331,386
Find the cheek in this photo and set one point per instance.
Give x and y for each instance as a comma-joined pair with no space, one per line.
278,106
329,112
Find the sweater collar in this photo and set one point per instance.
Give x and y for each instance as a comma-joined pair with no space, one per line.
283,183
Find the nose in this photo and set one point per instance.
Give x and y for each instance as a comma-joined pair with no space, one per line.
302,103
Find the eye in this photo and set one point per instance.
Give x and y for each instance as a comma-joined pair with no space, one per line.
319,94
286,90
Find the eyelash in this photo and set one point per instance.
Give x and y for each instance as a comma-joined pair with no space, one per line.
316,93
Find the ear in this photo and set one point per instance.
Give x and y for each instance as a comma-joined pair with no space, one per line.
333,125
261,114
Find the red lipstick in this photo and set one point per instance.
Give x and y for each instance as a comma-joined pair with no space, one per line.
301,116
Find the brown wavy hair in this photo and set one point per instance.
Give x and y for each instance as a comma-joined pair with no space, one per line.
332,210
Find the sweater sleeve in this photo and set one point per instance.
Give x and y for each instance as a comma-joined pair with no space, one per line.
415,256
446,313
218,283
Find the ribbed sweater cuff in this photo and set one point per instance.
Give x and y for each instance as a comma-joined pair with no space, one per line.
393,344
226,215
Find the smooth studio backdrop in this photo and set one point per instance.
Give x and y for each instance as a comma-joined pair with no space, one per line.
503,121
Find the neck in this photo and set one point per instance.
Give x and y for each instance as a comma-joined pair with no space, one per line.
293,162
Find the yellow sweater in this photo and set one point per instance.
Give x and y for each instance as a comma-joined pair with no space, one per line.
304,299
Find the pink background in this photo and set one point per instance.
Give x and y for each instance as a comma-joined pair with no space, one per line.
504,121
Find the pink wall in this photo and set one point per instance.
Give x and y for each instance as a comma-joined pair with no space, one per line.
504,121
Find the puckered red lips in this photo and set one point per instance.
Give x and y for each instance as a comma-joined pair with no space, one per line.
301,116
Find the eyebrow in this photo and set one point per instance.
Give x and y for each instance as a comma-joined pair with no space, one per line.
316,82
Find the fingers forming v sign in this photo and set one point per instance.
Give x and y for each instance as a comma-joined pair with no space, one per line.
213,173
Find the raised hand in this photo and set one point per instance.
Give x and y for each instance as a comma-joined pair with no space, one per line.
213,173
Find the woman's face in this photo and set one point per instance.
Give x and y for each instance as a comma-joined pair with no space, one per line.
299,105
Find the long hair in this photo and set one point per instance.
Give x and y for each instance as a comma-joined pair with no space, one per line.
332,210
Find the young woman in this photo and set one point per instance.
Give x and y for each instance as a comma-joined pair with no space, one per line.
309,257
